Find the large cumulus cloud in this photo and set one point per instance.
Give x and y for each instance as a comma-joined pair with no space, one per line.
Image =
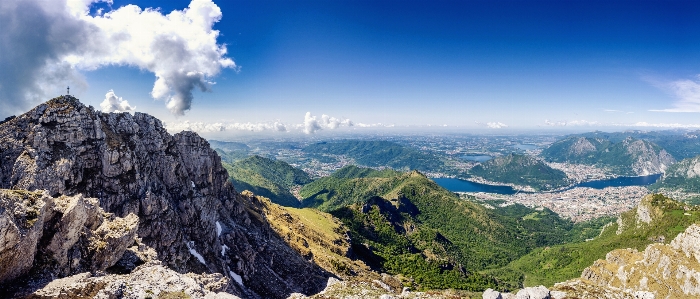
313,124
44,45
113,103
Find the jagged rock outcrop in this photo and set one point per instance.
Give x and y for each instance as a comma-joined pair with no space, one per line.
581,146
660,271
59,236
648,158
681,180
187,210
539,292
150,279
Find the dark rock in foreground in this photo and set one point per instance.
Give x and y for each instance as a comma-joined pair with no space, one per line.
187,210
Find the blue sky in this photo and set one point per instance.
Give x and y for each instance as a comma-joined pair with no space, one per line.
471,64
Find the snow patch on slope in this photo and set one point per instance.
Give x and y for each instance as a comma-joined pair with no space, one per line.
190,246
236,277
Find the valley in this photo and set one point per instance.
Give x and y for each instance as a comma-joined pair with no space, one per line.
393,230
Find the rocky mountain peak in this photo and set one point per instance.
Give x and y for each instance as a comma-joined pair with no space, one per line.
582,146
187,209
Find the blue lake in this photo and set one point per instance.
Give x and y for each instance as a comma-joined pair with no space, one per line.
457,185
622,181
477,158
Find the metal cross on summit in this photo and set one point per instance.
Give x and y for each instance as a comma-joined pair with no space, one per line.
68,91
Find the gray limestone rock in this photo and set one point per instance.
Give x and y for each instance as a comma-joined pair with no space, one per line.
147,281
58,236
175,185
539,292
22,217
491,294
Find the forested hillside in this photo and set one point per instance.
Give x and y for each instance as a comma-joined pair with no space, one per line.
269,178
521,170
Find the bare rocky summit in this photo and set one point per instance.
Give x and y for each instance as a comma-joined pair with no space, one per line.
646,158
170,189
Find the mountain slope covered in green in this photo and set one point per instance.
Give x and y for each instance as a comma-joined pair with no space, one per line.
406,224
269,178
521,170
656,219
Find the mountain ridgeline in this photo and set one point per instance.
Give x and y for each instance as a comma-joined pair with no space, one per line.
266,177
680,144
404,223
169,192
631,157
377,153
521,170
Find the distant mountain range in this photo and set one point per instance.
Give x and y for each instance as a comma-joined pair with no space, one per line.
377,153
680,144
521,170
629,156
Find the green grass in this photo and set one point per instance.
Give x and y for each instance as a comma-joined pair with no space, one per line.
394,221
548,265
521,170
269,178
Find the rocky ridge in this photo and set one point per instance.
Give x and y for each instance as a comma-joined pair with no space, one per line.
647,158
681,180
173,186
660,271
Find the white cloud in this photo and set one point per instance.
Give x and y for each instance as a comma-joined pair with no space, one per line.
112,103
496,125
312,124
201,127
687,93
375,125
46,43
573,123
490,125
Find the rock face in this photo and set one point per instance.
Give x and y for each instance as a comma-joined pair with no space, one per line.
150,279
539,292
59,236
660,271
187,210
581,146
647,158
682,180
